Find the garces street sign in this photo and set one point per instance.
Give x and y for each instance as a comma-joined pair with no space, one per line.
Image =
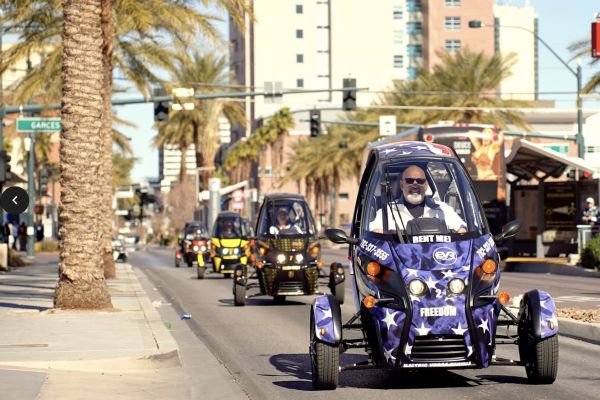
38,125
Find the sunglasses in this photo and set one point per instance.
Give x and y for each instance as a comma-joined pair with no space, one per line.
419,181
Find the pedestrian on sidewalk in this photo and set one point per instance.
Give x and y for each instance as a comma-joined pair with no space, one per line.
15,234
590,212
23,237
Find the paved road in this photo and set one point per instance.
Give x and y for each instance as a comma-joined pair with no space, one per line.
265,346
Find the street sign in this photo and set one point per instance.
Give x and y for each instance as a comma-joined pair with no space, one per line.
387,125
39,125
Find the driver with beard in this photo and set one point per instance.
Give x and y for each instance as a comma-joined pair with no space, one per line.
414,204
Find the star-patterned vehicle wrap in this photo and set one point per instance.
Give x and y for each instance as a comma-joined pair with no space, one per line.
548,317
436,264
324,322
394,150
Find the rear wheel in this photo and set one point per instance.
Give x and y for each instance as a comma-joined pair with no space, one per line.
539,355
325,361
201,272
239,295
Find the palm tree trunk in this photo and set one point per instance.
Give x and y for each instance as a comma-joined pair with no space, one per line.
106,204
81,277
183,162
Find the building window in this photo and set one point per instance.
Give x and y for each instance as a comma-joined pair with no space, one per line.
299,33
452,3
413,5
452,23
452,45
398,12
415,50
343,196
411,72
414,28
399,37
299,9
398,61
300,82
299,58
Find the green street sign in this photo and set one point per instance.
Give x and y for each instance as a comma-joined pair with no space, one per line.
38,125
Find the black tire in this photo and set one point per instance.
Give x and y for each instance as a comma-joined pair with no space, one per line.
177,263
279,299
539,355
190,264
325,362
239,295
227,275
201,272
541,360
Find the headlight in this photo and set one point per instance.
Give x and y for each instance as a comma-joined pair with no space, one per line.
417,287
236,251
195,248
225,251
314,251
280,258
456,286
299,258
202,248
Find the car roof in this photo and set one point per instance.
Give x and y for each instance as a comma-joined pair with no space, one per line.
284,196
396,149
195,223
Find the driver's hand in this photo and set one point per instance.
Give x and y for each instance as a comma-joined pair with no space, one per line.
461,230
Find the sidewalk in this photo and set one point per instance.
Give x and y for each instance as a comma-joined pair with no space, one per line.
125,353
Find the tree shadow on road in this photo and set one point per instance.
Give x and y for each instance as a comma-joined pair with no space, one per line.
23,306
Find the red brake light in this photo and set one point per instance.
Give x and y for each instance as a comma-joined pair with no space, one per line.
429,138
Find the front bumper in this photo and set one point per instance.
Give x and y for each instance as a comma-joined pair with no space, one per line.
290,280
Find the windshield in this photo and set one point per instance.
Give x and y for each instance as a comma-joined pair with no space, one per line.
195,231
285,218
423,197
229,227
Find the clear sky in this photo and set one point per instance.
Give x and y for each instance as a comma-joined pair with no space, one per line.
560,22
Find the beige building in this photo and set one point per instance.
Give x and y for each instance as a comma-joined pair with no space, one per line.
512,36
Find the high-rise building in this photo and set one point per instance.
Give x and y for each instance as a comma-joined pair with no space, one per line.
512,36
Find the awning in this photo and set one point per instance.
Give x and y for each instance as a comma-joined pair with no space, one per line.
528,160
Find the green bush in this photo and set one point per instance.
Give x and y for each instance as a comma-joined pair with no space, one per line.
590,254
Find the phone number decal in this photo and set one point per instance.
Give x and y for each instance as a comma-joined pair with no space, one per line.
374,250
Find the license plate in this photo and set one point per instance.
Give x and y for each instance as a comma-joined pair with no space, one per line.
290,268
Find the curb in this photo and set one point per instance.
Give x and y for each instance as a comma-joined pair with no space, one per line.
585,331
550,268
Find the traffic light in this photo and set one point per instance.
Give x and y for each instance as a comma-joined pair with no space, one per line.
44,181
161,108
349,96
315,123
5,174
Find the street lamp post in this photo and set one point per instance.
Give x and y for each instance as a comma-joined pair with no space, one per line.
576,72
30,148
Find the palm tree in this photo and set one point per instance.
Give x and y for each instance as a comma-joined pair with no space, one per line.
203,121
581,49
461,80
81,277
133,44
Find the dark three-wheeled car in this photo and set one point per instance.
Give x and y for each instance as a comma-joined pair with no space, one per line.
193,246
286,255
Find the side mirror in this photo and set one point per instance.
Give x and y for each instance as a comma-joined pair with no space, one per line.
339,236
509,230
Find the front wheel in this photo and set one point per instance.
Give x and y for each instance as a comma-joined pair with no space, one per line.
279,299
239,295
325,361
541,360
201,272
227,275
